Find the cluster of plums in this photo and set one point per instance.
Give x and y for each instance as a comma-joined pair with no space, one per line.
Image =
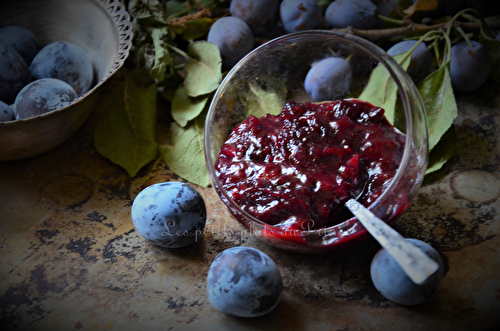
249,18
330,78
35,80
244,281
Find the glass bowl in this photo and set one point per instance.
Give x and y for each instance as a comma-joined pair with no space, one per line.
278,68
102,28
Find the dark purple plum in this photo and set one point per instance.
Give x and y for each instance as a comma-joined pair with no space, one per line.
233,37
469,66
64,61
360,14
22,40
245,282
394,284
170,214
6,113
297,15
259,15
42,96
421,58
14,73
328,79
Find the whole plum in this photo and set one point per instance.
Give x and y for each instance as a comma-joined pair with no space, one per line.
64,61
22,40
360,14
233,37
328,79
170,214
14,73
6,113
420,61
394,284
245,282
259,15
297,15
469,66
42,96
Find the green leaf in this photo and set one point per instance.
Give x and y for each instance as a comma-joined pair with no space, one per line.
421,5
141,9
198,28
203,69
125,133
381,89
175,7
439,102
443,151
186,108
184,156
261,102
147,12
160,58
194,29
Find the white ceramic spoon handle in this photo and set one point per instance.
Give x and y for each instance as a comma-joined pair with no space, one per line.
417,265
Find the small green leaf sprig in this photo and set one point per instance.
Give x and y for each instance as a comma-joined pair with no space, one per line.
187,76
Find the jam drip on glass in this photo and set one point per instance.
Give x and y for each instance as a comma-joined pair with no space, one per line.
296,170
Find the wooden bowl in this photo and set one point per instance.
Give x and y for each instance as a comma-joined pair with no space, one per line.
102,28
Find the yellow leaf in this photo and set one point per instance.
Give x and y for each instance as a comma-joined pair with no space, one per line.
419,5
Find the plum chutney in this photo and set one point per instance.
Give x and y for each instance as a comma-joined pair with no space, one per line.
297,169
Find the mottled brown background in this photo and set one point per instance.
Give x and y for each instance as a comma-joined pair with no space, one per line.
70,258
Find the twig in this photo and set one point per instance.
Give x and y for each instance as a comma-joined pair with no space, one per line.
413,29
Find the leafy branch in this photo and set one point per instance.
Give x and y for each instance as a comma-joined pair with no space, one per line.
171,58
411,29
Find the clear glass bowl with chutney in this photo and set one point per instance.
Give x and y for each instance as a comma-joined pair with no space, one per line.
286,176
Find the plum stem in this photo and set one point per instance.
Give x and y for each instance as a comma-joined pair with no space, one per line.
410,51
466,38
391,20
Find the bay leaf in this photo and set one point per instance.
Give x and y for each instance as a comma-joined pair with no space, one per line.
439,102
125,133
382,90
261,102
185,155
203,68
186,108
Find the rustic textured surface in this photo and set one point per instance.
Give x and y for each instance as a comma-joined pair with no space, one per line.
70,258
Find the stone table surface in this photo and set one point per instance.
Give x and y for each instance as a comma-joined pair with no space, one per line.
70,258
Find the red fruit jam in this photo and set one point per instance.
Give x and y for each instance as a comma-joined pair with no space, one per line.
296,170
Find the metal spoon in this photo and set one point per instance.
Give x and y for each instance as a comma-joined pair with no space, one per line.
417,265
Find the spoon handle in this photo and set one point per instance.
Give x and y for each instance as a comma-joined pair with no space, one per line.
417,265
